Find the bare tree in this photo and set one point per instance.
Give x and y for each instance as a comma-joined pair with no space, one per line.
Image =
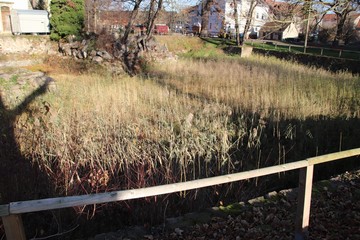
155,7
342,9
205,13
249,16
39,4
93,10
236,16
134,13
244,16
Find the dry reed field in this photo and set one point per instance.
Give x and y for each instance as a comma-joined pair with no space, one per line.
268,86
105,133
184,120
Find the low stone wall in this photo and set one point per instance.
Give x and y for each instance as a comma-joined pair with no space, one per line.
328,63
27,45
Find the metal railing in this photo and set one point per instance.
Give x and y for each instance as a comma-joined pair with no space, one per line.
11,213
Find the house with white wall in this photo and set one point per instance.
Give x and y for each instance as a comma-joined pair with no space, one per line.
278,31
221,17
5,10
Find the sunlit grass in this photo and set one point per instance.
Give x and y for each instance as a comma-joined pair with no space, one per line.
266,85
182,120
113,126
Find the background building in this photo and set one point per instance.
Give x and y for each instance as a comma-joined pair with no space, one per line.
7,5
221,17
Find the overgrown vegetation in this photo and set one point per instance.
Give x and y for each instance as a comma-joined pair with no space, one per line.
285,90
67,18
184,120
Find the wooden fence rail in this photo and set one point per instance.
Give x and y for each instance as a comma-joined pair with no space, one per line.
319,50
11,213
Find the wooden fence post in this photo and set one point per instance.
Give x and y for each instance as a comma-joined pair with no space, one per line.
340,52
14,228
304,202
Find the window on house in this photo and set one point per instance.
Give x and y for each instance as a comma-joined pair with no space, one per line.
257,15
210,25
263,17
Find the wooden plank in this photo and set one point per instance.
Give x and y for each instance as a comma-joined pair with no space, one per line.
14,228
4,210
334,156
304,203
63,202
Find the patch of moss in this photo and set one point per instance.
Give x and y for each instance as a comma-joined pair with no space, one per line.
320,188
233,209
14,79
2,81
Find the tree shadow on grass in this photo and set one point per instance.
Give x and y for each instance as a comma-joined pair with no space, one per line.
20,178
219,41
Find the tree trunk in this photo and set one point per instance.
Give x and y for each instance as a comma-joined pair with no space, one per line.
131,20
152,16
150,13
340,28
341,8
236,16
33,4
249,16
205,14
95,16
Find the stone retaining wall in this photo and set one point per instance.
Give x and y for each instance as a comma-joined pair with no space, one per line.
27,45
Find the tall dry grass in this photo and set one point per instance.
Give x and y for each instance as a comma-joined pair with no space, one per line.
105,133
267,86
185,120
